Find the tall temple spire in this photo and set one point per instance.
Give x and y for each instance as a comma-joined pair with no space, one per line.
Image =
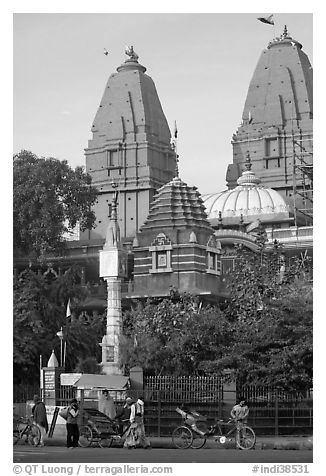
130,144
276,122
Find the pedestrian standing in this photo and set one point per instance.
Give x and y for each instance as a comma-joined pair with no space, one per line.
72,424
106,405
239,413
137,416
40,418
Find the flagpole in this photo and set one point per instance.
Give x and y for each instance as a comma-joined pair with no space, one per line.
61,340
68,314
64,353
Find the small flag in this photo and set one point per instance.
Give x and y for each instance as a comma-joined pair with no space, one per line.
175,130
68,312
269,20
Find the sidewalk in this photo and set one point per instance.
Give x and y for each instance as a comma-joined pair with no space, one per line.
262,443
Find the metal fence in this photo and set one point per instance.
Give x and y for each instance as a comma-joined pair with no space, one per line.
262,395
272,411
161,417
167,388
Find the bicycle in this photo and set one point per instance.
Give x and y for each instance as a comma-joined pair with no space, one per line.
24,429
193,433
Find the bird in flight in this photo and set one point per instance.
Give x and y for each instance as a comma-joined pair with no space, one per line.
269,20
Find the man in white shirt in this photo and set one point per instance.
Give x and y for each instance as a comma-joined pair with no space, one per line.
137,416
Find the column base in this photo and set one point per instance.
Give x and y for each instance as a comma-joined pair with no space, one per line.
111,368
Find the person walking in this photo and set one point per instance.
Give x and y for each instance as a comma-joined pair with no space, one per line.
129,426
106,405
137,416
123,416
72,424
40,418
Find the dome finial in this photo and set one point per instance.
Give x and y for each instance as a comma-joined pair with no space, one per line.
248,163
220,220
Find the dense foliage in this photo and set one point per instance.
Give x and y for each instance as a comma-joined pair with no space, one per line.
172,336
39,311
272,316
263,336
49,198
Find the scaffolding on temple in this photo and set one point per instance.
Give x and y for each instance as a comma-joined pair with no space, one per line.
302,169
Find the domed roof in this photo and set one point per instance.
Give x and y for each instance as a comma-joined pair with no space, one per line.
249,200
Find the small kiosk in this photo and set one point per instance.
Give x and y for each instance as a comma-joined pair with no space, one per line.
89,385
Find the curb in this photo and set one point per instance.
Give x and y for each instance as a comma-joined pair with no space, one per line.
273,444
306,444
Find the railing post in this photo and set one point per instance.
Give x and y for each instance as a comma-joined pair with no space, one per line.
159,413
276,414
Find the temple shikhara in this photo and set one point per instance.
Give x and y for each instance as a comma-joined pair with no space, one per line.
169,233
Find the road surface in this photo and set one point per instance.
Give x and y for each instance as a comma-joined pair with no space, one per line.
56,454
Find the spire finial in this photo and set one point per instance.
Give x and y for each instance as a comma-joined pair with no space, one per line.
129,50
285,32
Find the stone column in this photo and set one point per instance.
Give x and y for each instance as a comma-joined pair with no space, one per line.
113,266
110,341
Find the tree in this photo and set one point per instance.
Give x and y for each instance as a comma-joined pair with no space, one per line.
173,336
39,313
49,198
271,315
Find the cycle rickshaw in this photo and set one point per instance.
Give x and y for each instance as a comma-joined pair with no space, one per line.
97,428
193,432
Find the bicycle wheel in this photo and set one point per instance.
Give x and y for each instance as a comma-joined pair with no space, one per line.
198,441
85,436
105,442
182,437
16,434
247,438
33,435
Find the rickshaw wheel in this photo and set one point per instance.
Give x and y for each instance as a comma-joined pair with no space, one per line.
85,436
105,442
